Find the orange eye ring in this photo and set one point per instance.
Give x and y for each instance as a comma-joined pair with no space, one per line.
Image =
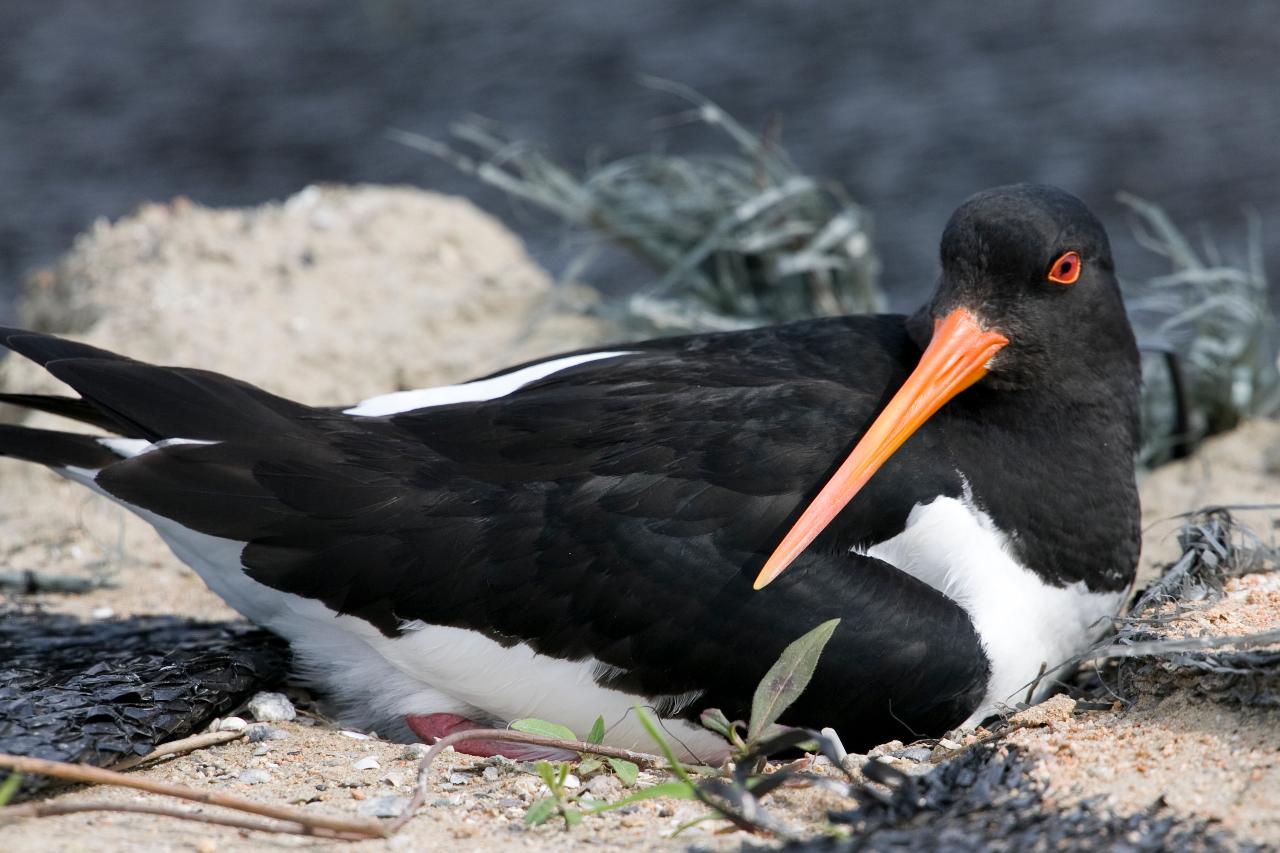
1066,269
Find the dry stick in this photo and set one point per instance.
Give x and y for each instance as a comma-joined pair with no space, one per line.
509,736
181,747
63,808
98,776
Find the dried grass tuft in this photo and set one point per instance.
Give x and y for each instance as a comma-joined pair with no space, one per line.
1217,320
736,240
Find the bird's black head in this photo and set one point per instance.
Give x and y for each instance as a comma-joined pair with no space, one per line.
1032,263
1027,303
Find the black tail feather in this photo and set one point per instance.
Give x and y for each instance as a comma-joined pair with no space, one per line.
140,400
43,349
55,449
71,407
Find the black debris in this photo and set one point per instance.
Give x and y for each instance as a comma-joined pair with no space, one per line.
987,800
100,692
1215,547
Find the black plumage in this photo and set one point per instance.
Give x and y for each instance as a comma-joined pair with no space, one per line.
620,509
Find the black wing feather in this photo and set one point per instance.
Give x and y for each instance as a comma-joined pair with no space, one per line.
618,511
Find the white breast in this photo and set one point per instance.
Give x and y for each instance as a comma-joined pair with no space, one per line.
1024,623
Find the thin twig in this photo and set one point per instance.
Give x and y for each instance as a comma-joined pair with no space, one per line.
53,809
181,747
97,776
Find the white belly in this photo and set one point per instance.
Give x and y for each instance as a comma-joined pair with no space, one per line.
1023,623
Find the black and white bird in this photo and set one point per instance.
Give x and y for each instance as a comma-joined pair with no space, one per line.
573,536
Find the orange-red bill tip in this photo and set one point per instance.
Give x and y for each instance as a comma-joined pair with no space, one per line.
956,357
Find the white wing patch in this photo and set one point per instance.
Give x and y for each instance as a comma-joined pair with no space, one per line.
127,448
472,392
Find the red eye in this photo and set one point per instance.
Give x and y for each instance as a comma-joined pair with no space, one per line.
1066,269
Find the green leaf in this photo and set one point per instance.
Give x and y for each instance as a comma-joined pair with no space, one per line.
542,727
788,677
540,812
572,817
588,766
714,719
671,790
10,787
627,771
548,774
597,731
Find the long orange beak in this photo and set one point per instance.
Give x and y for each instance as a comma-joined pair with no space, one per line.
956,358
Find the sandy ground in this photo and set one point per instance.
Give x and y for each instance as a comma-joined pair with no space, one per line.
457,295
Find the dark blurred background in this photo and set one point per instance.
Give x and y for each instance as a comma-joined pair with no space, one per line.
911,106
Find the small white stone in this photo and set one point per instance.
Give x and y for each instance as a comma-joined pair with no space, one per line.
604,787
254,776
388,805
232,724
272,708
102,613
355,735
572,781
367,763
458,779
491,774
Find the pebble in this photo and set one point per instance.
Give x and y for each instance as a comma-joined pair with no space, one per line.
102,613
1055,709
262,750
258,734
414,752
206,845
853,764
604,787
388,805
572,781
272,708
526,787
491,774
458,778
254,776
886,748
915,753
394,779
232,724
367,763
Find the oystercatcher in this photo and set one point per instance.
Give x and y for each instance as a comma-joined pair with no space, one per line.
654,522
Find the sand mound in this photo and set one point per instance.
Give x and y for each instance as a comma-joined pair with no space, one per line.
336,294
